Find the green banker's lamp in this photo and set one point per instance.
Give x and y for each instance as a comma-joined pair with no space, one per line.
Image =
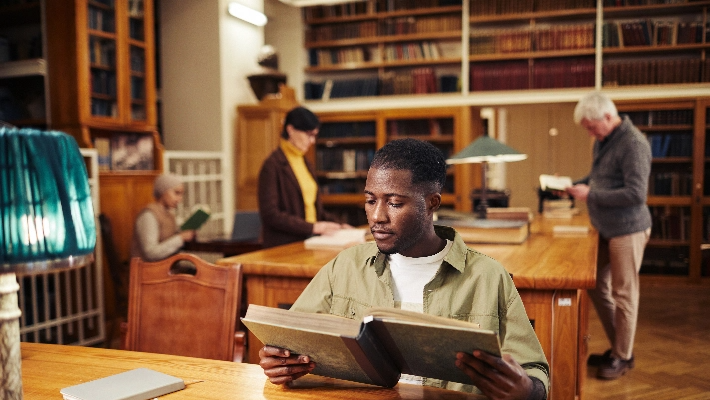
485,150
46,222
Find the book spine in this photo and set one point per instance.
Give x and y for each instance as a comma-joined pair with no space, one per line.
372,357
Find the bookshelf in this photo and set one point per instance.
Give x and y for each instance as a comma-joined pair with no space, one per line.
678,194
348,140
382,47
508,45
23,66
101,89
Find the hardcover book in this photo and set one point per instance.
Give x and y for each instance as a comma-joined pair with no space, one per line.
136,384
196,220
386,343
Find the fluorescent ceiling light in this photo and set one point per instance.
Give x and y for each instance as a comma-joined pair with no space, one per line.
247,14
308,3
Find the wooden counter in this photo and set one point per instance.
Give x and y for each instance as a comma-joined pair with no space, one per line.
551,273
47,368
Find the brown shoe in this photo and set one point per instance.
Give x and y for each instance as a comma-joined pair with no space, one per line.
597,360
614,368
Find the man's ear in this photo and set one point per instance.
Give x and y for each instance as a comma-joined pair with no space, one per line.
433,202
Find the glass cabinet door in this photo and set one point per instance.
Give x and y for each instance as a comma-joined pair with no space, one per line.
102,58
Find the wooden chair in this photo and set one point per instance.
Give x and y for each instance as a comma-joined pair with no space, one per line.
184,311
118,271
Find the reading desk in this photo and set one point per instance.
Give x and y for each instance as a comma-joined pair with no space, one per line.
47,368
551,272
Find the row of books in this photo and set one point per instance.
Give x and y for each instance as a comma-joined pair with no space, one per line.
137,59
504,7
421,127
670,184
103,82
655,72
670,223
101,19
136,29
518,75
125,152
329,130
665,260
386,27
706,225
104,108
671,144
137,88
102,52
425,50
371,7
623,3
652,33
415,81
337,186
557,37
661,117
344,160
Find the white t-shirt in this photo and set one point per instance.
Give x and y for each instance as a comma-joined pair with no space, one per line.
409,276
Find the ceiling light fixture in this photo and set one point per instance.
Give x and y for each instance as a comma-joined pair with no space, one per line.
247,14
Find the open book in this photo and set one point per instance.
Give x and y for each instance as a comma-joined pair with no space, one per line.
337,240
553,182
196,220
376,350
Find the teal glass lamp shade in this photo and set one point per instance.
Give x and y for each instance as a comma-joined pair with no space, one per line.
46,210
486,149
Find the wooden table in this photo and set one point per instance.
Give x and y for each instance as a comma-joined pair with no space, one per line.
551,273
47,368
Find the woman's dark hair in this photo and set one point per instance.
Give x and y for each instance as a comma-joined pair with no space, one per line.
302,119
423,159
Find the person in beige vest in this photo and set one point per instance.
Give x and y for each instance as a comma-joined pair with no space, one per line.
156,235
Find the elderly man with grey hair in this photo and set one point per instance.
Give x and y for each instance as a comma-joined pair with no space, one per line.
615,191
156,235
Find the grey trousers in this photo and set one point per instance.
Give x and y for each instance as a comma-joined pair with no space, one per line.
616,296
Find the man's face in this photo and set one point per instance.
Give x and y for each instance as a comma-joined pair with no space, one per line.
598,128
396,210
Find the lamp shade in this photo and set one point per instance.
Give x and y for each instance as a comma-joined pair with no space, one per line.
486,149
46,211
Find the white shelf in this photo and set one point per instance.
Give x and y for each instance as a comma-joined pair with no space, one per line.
492,98
16,69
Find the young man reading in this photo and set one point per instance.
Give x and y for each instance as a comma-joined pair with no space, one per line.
417,266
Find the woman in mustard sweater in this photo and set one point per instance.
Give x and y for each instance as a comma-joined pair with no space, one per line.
290,206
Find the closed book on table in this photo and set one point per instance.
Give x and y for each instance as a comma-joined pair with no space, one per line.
136,384
377,349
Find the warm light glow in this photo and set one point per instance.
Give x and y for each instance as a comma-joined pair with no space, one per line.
247,14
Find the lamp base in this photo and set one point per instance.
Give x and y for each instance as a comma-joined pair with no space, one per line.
10,359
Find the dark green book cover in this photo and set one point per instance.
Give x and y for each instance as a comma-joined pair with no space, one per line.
196,220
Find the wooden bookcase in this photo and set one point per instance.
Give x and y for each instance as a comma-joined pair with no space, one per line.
23,66
348,140
678,191
510,45
101,90
383,47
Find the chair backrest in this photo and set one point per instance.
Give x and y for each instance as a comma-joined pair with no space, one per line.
247,226
189,313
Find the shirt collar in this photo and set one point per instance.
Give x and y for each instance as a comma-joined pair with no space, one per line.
289,149
456,257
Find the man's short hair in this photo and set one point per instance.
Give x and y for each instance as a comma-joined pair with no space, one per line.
423,159
593,106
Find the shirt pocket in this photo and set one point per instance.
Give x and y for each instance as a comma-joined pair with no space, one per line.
488,322
348,307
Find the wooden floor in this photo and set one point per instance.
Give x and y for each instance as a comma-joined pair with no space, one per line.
672,348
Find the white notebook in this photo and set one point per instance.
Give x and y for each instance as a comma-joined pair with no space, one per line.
136,384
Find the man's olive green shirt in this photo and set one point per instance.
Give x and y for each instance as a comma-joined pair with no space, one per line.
468,286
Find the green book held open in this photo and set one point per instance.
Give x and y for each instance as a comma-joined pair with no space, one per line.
196,220
386,343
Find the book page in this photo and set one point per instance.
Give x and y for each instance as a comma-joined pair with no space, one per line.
552,182
395,314
340,239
